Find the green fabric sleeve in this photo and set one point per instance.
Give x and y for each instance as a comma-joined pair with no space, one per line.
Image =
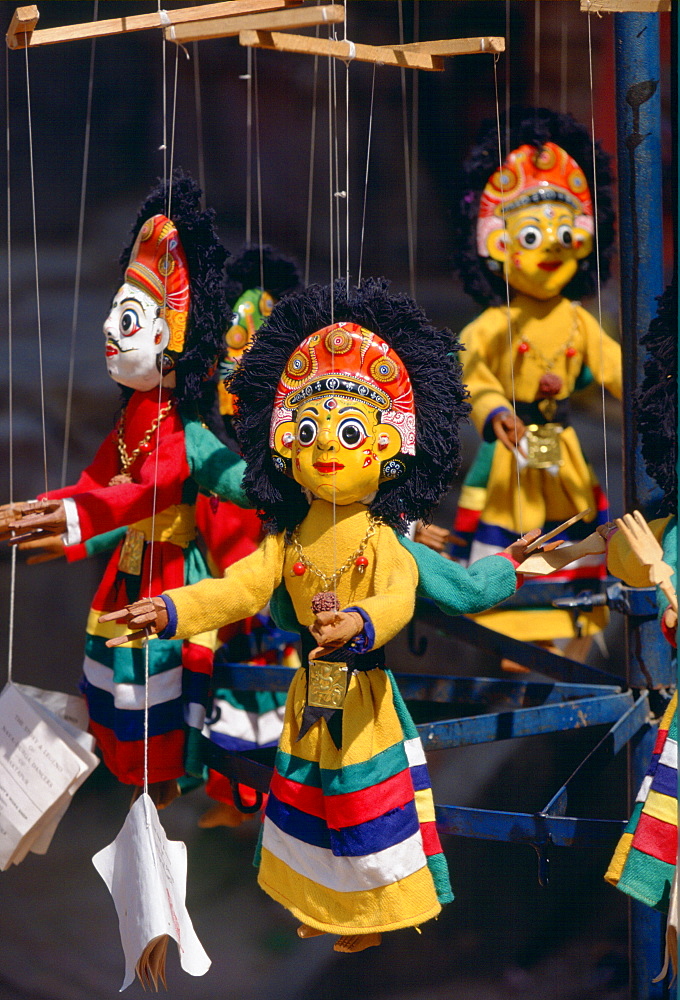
105,542
214,467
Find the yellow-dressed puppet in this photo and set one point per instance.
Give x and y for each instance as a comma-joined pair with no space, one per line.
349,403
533,257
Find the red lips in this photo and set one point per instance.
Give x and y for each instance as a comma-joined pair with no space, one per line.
111,351
549,265
327,467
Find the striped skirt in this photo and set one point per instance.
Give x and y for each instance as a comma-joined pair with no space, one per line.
349,842
643,864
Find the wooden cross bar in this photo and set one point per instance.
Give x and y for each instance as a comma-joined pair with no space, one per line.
625,6
417,55
21,31
224,27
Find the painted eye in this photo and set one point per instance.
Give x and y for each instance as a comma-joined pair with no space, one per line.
351,433
129,323
306,432
530,237
565,236
266,304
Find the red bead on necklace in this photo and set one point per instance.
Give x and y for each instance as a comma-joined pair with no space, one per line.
299,568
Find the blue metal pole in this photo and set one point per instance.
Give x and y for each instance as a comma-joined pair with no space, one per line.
638,104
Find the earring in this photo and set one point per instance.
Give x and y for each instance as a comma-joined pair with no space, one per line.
393,469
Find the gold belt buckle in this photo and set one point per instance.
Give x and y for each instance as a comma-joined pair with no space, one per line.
327,684
132,552
543,445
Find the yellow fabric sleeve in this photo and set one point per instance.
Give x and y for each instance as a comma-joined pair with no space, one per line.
622,561
245,588
391,606
602,354
485,337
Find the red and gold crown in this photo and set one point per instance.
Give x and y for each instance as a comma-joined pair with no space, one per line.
530,176
158,266
352,363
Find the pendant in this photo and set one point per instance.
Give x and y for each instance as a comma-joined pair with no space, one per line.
543,445
120,479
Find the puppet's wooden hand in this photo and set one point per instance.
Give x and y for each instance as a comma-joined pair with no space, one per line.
434,537
517,550
43,549
33,519
149,615
607,530
509,429
333,629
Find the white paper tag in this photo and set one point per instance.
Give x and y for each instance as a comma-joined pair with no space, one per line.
146,875
42,761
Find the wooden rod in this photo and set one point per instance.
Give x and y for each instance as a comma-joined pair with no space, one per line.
308,45
138,22
625,6
225,27
454,46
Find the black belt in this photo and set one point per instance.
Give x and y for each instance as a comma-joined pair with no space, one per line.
531,413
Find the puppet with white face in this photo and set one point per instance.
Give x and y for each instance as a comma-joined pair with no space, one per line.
162,340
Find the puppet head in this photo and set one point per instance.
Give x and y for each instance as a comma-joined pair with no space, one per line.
256,280
167,319
530,221
349,396
656,400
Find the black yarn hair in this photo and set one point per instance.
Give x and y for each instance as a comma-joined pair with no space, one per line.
656,400
533,127
268,269
181,202
430,357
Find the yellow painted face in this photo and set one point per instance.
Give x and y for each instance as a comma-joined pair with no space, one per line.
336,447
540,248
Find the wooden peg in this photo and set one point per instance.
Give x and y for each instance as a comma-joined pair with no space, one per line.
225,27
24,20
345,50
138,22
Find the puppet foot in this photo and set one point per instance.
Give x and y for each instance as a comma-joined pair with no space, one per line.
162,793
357,942
222,814
305,931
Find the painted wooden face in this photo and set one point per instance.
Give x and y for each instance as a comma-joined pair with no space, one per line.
540,248
136,336
337,448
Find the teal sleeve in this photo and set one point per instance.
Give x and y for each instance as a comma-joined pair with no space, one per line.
215,468
459,591
105,542
282,611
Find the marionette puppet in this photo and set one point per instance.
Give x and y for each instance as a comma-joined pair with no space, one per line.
527,255
162,341
256,278
348,413
644,864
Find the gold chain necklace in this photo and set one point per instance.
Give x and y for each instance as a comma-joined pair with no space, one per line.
525,345
357,559
126,457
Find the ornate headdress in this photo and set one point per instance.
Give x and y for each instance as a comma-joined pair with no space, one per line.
529,176
158,266
373,346
352,363
175,255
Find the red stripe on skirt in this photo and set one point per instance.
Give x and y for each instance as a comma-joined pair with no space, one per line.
126,759
654,837
350,809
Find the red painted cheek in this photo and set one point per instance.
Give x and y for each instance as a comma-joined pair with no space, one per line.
368,459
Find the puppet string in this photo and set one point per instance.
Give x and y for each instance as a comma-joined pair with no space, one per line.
37,275
331,235
407,163
368,160
507,77
537,52
337,193
415,137
597,264
507,290
258,163
10,374
312,159
249,143
79,259
198,114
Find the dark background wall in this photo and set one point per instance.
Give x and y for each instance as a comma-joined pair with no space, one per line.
504,936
